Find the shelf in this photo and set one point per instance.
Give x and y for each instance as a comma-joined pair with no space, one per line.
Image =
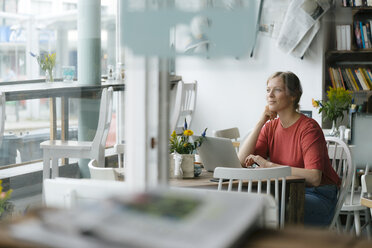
358,7
364,55
361,92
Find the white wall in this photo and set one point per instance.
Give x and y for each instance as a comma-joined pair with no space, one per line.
231,93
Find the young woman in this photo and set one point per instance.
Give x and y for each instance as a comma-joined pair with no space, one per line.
295,140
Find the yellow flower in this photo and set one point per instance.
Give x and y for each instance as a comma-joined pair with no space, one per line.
315,103
188,132
174,135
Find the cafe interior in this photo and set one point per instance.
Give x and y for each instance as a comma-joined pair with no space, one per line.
121,121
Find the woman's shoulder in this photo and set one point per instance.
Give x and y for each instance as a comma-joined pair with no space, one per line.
309,124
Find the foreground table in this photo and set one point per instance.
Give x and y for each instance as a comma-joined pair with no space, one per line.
295,193
262,238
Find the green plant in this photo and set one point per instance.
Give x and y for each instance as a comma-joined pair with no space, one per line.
181,143
339,101
4,197
46,62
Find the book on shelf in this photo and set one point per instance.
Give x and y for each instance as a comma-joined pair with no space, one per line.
366,39
348,37
338,38
330,70
356,86
362,35
338,78
360,87
369,74
347,80
361,79
358,37
341,78
365,75
368,30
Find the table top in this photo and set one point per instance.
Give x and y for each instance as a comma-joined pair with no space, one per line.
366,200
15,92
204,181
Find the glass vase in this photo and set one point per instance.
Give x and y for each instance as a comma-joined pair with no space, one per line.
334,129
49,76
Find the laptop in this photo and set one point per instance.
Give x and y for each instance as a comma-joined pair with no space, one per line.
218,152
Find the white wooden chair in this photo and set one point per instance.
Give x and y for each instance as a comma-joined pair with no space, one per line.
341,160
260,175
55,149
366,181
184,106
102,173
230,133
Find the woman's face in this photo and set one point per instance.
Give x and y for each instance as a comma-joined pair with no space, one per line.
277,96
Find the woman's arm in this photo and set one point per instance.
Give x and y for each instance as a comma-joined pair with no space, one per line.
312,177
249,144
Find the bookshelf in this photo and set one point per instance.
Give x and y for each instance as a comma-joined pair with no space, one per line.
352,68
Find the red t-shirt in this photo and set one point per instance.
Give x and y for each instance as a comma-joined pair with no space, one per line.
301,145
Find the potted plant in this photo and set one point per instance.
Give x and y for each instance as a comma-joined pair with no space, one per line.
183,150
339,101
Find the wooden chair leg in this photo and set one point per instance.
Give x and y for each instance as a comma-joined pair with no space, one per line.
46,166
357,223
348,222
55,169
368,223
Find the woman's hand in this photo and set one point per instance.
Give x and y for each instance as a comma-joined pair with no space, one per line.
251,159
268,114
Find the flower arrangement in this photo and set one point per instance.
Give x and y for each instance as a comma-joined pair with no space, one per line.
338,102
182,145
4,197
46,62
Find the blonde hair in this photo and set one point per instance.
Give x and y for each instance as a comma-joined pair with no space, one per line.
292,84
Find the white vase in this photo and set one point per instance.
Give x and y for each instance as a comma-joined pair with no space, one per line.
334,129
182,166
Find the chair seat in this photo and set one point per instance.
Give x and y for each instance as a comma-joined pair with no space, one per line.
67,144
354,207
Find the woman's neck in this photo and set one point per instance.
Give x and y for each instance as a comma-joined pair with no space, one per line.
288,118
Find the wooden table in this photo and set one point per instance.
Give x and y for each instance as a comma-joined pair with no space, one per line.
295,193
366,200
27,90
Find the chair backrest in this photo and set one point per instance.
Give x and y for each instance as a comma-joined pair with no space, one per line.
104,121
101,173
229,133
260,175
184,106
341,160
2,116
367,184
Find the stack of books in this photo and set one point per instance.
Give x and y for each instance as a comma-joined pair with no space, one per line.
354,79
343,37
363,31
